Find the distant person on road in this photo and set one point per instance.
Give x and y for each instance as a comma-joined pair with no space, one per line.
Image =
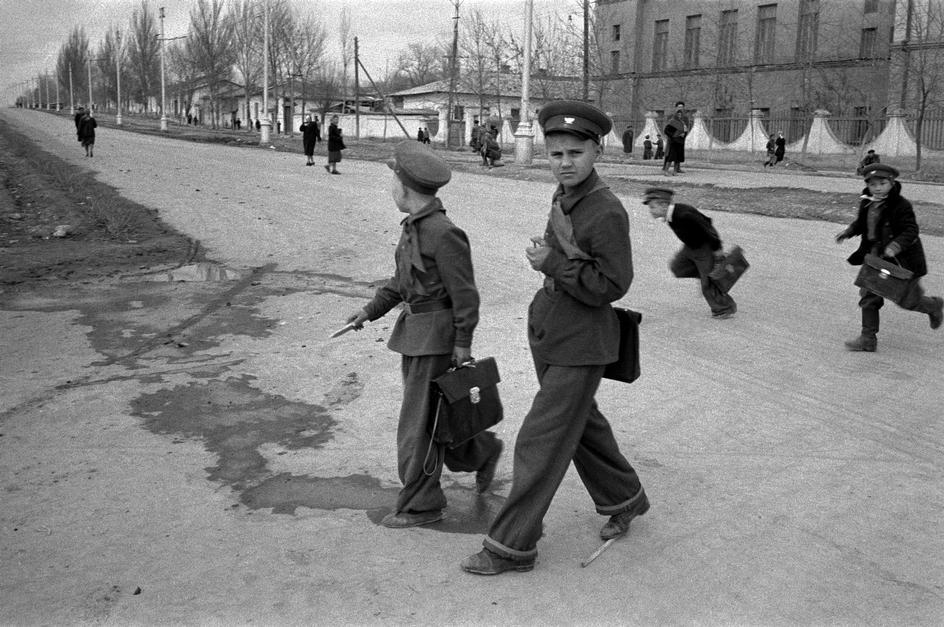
317,131
435,281
628,140
781,147
869,158
771,152
476,133
87,126
701,256
491,149
335,146
258,124
676,129
660,146
585,258
79,114
888,228
308,129
647,149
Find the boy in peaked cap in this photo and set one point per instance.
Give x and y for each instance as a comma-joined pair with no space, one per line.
586,259
888,228
701,256
434,281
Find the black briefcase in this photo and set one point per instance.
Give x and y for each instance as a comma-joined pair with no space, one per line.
734,266
626,368
467,402
888,280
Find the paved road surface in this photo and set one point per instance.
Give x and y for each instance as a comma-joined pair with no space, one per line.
197,451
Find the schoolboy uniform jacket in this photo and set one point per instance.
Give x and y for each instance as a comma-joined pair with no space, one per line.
570,321
896,224
434,275
694,228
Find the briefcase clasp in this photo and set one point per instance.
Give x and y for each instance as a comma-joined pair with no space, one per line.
475,394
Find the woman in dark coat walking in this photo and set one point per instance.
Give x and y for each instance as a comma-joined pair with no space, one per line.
87,126
309,130
335,146
781,149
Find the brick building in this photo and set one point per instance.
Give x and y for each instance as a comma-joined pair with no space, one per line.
726,58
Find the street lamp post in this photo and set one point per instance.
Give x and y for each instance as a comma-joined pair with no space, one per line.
90,81
266,124
71,93
163,96
58,101
524,136
46,85
118,76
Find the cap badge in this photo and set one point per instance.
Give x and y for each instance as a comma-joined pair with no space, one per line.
568,120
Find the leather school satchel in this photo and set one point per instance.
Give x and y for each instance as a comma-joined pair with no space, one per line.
467,402
734,266
626,368
888,280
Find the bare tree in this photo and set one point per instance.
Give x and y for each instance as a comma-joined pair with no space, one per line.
247,45
307,52
73,57
344,40
106,60
420,64
926,66
144,54
209,48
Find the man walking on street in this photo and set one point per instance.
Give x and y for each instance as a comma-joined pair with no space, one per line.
586,260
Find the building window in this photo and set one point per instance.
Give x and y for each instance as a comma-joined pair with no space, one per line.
867,44
766,31
616,32
458,112
614,62
660,46
871,6
692,40
807,29
727,38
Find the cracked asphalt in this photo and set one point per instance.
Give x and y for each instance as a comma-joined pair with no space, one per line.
196,450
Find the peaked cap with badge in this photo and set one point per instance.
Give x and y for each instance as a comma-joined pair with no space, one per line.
419,168
657,193
574,117
879,170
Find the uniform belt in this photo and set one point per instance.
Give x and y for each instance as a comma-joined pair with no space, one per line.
428,306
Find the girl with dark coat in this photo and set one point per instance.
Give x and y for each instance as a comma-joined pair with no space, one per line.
781,149
335,146
309,137
886,222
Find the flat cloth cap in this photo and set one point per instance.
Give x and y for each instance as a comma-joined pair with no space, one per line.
419,168
657,193
574,117
879,170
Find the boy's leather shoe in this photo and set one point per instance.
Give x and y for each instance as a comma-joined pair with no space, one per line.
937,316
862,344
485,474
402,520
618,525
486,562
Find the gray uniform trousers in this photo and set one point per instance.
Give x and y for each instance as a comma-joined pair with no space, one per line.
421,492
696,263
564,424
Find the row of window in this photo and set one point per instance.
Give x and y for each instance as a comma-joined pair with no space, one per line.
764,39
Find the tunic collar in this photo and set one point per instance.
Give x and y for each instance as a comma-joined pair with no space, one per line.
569,198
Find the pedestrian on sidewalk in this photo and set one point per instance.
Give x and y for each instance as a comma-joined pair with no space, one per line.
676,129
647,149
434,279
701,256
781,147
771,160
870,157
586,259
335,146
309,130
888,228
660,145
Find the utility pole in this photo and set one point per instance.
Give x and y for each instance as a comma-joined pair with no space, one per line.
118,75
452,72
906,69
71,93
524,136
586,49
58,102
163,93
90,81
266,125
357,93
46,85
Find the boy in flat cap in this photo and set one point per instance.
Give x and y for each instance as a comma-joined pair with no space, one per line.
585,257
434,280
888,228
701,256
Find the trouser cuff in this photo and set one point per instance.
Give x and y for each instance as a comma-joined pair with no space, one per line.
619,508
508,552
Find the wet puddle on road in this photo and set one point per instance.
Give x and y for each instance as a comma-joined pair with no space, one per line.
234,420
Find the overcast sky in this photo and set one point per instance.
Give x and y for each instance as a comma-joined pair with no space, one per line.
32,31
